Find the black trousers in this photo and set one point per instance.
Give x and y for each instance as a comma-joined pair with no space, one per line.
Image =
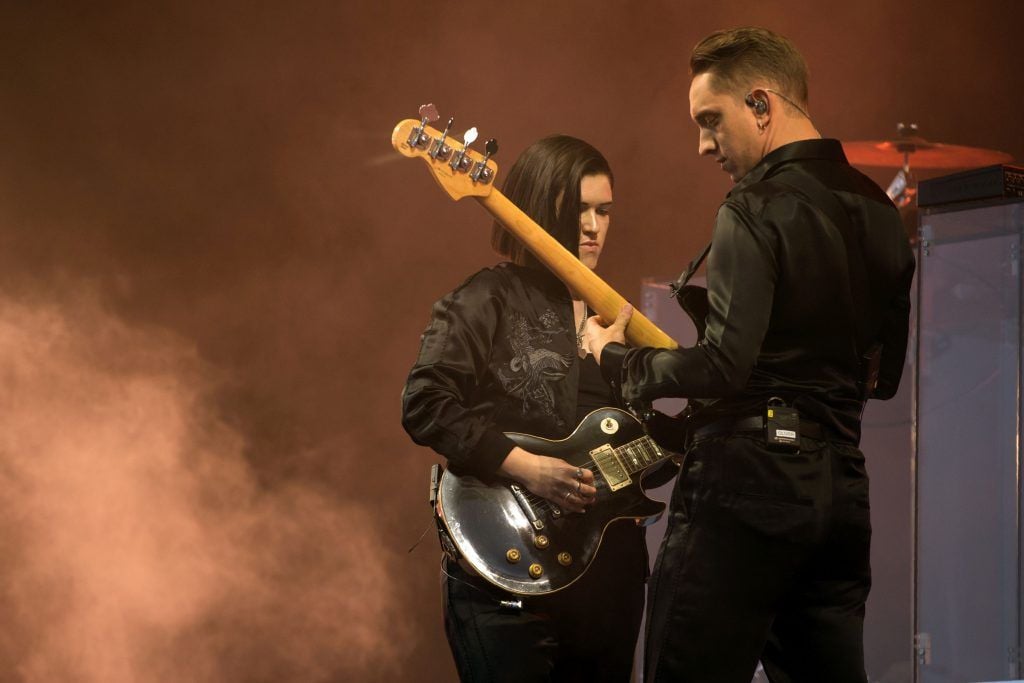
766,556
586,632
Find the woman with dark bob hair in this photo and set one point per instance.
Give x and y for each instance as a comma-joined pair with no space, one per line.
504,352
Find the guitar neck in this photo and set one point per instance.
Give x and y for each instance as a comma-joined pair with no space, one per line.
638,455
597,294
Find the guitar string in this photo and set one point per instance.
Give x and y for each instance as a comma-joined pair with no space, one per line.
532,498
546,506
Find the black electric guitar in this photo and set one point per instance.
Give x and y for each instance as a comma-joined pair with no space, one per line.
512,538
525,544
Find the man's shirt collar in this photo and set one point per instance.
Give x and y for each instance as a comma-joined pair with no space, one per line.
827,149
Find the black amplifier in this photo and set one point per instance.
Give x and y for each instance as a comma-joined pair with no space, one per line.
990,182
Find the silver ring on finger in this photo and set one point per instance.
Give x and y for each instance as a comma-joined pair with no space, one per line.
568,494
578,485
579,472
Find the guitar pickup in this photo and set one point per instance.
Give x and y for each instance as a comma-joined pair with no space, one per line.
611,467
535,521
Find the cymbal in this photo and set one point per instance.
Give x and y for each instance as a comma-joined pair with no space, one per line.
920,154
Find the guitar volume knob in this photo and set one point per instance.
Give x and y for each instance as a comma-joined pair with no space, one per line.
513,555
564,559
536,571
541,542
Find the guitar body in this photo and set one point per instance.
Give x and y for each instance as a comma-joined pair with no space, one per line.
503,530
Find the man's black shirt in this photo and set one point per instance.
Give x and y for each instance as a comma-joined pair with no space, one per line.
782,320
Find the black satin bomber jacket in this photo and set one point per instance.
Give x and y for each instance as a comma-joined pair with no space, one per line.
780,320
499,350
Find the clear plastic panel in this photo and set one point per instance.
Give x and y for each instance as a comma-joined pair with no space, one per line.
968,445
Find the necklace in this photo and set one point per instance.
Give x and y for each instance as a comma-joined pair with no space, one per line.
579,334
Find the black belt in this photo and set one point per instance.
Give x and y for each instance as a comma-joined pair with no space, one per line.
809,429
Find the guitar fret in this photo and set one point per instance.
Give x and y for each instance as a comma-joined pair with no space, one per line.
631,457
639,447
639,454
654,453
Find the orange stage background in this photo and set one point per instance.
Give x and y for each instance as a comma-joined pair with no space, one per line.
214,272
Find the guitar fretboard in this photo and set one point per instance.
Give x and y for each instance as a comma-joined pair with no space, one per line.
639,454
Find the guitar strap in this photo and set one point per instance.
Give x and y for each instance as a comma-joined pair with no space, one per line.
693,299
685,276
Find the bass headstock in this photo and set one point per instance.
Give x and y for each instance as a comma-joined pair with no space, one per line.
461,171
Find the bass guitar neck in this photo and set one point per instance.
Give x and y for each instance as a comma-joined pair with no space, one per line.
597,293
465,173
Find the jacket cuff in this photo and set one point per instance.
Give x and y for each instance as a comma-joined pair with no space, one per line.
490,452
613,355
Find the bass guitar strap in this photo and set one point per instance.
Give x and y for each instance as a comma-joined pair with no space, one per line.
693,299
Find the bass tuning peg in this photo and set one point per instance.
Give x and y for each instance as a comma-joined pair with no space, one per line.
428,114
460,162
480,172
